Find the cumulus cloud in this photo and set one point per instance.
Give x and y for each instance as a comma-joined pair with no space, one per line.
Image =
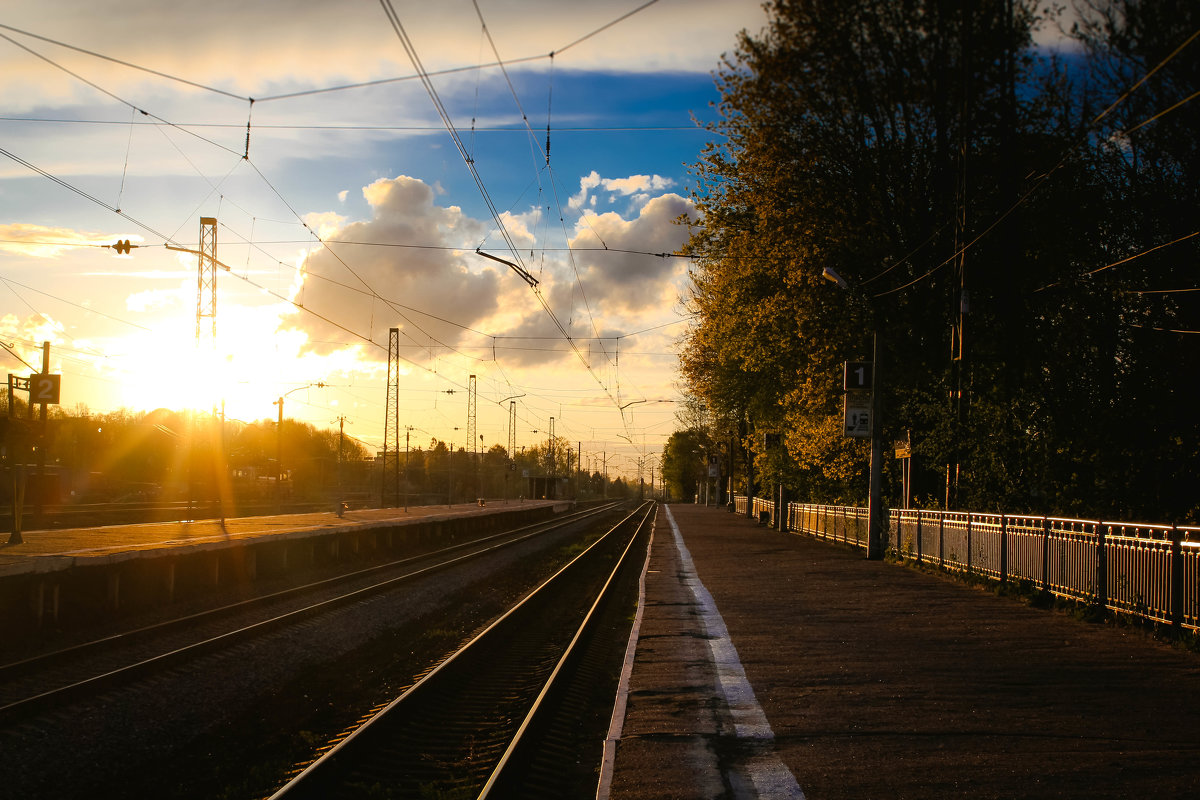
397,270
640,186
428,279
326,223
631,282
29,329
620,288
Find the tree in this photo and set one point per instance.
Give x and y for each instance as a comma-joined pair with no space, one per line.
842,128
684,462
954,176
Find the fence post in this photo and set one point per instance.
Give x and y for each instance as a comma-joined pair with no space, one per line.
918,536
1101,565
1176,577
970,544
1003,548
1045,554
942,539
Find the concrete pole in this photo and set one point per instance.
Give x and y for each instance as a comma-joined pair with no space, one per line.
875,511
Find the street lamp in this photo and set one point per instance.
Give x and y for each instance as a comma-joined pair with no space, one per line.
874,499
279,438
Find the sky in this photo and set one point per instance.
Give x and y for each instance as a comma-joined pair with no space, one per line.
318,136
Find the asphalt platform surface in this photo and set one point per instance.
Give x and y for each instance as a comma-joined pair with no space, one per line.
776,665
44,551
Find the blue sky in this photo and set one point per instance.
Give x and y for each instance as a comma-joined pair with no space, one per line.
365,164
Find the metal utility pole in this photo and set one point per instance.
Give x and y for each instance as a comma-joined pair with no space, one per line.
512,430
407,431
391,424
550,451
279,440
450,471
960,379
512,444
341,439
278,457
472,418
875,512
206,278
39,499
16,456
868,378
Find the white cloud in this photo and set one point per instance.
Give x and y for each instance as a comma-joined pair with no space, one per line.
325,223
639,187
301,50
412,274
629,282
41,241
637,183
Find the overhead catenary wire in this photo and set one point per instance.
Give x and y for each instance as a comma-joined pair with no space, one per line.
431,90
94,54
1041,181
135,111
357,127
1125,260
106,92
546,153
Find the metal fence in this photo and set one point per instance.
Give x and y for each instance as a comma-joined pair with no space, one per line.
760,508
1150,571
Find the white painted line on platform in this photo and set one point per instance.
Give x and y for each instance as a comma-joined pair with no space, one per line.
616,725
768,775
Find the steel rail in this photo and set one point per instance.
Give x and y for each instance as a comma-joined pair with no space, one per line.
324,772
541,705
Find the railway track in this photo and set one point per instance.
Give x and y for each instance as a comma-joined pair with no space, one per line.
504,714
42,682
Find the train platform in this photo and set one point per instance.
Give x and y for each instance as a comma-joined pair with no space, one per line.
56,549
65,576
773,665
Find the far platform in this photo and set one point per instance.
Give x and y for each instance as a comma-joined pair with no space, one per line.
56,549
71,577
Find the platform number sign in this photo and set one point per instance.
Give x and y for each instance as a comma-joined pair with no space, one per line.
859,376
44,388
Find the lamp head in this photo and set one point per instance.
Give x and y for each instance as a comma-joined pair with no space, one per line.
829,275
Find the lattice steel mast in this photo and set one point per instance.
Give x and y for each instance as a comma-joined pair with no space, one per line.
391,424
206,278
472,441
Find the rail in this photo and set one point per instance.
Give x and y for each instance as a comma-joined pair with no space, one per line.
1150,571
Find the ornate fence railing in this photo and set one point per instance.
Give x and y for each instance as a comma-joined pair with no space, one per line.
1150,571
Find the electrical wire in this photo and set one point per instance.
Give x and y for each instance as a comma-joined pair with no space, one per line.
106,92
1061,162
431,90
161,122
193,84
1125,260
360,127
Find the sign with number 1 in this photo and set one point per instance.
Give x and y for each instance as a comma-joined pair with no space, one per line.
859,376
